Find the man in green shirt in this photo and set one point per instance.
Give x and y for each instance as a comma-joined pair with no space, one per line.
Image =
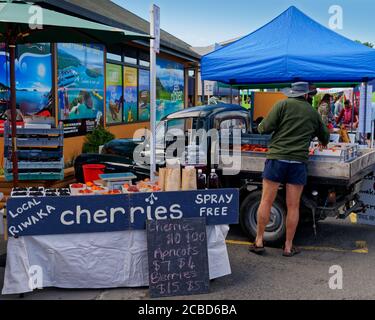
293,123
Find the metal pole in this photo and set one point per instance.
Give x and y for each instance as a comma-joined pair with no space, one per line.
203,89
13,109
153,115
353,106
153,25
364,137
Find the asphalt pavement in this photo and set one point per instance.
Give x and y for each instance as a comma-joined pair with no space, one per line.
269,277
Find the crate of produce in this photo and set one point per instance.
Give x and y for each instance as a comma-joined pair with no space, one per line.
256,139
254,150
335,152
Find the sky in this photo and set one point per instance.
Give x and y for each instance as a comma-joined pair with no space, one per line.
204,22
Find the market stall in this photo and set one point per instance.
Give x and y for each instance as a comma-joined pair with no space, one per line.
292,48
286,51
93,235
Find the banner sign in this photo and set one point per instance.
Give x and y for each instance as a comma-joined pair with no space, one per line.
130,94
365,110
80,86
367,196
99,213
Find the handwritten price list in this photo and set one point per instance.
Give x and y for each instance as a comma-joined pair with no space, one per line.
177,257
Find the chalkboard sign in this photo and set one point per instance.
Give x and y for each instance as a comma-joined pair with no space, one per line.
177,257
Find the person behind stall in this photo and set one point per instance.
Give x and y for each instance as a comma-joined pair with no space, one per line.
293,123
338,105
346,116
325,109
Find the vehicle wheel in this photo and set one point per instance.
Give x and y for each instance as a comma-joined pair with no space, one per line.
275,230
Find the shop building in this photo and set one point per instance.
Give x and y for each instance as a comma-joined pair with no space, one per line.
82,85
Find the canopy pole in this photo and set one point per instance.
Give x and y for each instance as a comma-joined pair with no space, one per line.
353,106
13,109
203,92
231,94
364,137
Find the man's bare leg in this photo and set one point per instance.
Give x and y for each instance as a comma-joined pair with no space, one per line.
293,200
269,194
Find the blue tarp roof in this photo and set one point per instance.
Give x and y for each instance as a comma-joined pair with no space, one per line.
290,48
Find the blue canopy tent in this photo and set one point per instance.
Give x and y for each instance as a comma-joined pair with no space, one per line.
290,48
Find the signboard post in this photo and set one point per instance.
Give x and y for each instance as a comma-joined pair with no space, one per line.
154,49
177,257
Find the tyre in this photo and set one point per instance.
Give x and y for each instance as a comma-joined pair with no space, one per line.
275,230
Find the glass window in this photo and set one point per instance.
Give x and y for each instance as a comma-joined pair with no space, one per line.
144,59
114,57
144,95
114,96
160,134
130,94
81,75
170,93
131,56
34,80
231,124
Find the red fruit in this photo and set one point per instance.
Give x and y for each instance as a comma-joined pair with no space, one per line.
133,189
77,186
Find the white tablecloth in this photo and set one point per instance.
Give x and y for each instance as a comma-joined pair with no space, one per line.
96,260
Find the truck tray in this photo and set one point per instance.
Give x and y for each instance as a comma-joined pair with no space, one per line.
316,169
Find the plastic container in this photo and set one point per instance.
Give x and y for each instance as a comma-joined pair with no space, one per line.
91,172
74,189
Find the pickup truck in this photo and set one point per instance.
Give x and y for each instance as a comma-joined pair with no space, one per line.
332,190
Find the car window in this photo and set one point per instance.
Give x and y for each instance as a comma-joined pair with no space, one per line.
231,124
160,133
181,124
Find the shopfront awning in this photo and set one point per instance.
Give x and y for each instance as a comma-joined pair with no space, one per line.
35,24
290,48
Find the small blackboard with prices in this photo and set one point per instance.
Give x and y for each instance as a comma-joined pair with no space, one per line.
177,257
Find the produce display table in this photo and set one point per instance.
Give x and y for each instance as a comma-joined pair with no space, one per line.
100,241
95,260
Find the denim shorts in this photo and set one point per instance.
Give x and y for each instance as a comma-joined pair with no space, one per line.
286,172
